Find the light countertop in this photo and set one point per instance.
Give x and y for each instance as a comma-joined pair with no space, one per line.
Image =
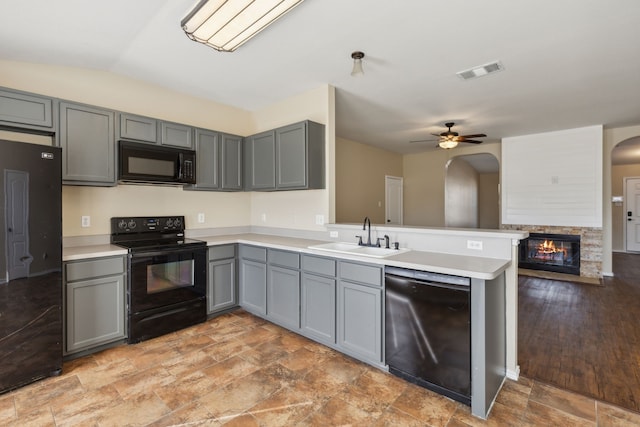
460,265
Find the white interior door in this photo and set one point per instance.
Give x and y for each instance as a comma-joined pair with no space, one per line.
632,213
393,200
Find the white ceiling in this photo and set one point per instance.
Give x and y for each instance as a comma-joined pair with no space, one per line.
568,63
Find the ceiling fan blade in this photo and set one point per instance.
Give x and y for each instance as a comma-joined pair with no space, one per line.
423,140
472,141
477,135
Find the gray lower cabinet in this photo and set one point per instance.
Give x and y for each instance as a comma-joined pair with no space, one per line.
283,288
87,137
318,298
318,309
222,287
219,161
253,279
25,110
287,158
359,305
95,292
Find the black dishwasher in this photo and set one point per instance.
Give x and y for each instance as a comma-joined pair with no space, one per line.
428,330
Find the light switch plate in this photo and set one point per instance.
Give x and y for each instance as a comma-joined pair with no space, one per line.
86,221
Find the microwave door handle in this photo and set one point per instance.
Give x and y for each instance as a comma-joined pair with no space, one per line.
180,163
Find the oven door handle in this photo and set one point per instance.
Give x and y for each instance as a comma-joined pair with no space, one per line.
164,252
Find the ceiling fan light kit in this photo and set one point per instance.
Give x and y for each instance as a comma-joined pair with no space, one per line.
226,25
450,139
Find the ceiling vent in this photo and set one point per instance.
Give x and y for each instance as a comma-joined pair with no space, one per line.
482,70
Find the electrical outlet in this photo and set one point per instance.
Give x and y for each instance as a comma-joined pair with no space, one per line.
474,244
201,218
319,219
333,234
263,217
86,221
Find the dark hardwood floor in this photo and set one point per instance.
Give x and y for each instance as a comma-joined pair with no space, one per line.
584,338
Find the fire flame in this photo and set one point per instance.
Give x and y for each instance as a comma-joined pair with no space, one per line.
548,247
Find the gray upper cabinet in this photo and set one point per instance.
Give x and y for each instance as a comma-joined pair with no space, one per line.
287,158
176,135
87,137
148,129
231,162
219,157
260,162
138,128
208,160
300,156
24,110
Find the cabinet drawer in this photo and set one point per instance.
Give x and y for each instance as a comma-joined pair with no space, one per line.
284,258
318,265
222,252
253,252
94,268
361,273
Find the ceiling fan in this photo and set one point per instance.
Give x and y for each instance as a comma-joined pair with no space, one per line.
450,139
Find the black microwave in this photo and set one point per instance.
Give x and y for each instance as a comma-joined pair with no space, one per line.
154,164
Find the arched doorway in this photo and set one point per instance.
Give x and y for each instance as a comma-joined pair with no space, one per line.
625,173
472,191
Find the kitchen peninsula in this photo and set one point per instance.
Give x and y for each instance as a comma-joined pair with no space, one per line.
433,250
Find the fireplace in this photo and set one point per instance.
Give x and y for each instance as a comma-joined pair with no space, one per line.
559,253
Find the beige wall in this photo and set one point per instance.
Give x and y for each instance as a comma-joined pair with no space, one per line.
461,195
293,209
488,200
618,220
360,178
424,182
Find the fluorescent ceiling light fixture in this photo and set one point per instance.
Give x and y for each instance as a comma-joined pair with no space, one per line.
226,25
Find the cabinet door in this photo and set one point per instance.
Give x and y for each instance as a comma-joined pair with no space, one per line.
283,297
18,108
260,162
87,137
208,159
231,162
138,128
253,286
318,301
221,292
176,135
291,156
360,320
95,312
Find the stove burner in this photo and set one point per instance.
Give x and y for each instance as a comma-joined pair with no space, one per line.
151,233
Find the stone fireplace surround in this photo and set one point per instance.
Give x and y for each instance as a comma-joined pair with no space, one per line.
591,240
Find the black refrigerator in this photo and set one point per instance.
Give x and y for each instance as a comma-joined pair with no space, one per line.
30,263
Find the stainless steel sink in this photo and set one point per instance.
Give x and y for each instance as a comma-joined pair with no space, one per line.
354,249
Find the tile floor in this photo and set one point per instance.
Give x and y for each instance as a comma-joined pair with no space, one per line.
238,370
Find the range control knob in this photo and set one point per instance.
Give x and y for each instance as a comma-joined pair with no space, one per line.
177,222
131,223
169,223
122,224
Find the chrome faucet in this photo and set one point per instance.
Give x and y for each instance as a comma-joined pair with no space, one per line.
367,223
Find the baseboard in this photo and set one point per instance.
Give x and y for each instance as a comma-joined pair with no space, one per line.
514,375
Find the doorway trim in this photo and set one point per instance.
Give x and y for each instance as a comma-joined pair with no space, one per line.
393,205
